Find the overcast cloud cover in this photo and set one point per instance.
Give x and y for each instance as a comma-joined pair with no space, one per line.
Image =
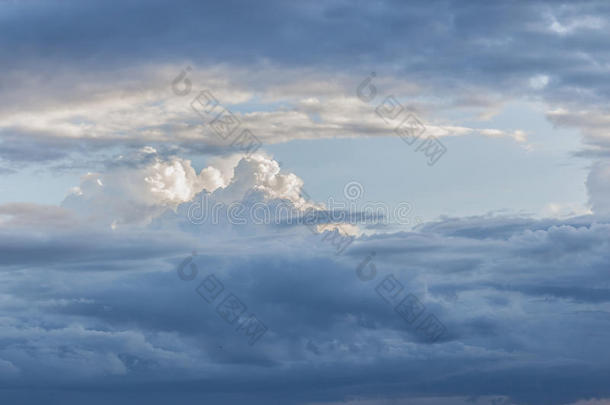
106,171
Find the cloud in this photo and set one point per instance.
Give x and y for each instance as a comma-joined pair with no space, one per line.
512,293
593,125
35,215
143,187
68,119
597,185
499,48
140,189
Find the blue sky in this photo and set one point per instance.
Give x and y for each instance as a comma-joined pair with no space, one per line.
145,257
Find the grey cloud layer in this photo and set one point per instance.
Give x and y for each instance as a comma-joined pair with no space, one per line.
478,52
514,294
479,42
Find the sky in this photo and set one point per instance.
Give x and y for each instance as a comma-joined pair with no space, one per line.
305,203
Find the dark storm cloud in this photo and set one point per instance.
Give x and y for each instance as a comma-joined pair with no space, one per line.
510,313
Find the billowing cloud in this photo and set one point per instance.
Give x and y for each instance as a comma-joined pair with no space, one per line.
144,188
